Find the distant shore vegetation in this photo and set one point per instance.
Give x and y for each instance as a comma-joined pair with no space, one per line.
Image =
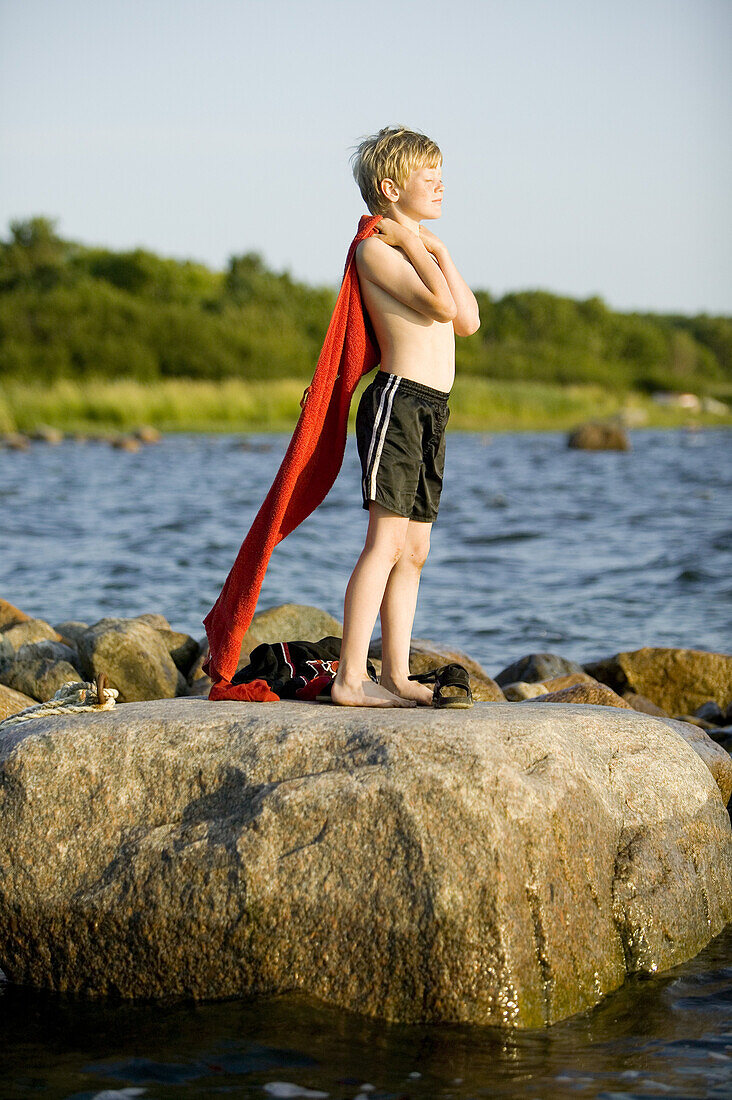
83,329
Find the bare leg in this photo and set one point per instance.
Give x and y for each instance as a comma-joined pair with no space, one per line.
352,685
397,615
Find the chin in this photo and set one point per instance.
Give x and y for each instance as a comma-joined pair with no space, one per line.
433,214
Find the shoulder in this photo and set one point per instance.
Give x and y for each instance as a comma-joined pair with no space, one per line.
373,255
370,246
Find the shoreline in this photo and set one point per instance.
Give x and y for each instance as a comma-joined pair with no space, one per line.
104,406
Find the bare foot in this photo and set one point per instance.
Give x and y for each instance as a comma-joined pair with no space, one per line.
366,694
409,689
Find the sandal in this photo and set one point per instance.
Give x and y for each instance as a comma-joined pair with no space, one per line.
447,676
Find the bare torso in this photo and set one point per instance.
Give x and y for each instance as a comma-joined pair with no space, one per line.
412,345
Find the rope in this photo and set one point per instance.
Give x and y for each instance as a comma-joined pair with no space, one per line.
74,697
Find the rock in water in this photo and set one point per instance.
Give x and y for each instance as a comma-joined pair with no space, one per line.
505,865
596,435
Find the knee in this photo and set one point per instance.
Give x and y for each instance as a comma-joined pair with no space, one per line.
416,552
389,550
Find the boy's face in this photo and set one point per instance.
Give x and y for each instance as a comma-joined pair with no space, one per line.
421,195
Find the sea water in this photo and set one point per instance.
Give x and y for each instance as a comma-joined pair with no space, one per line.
536,548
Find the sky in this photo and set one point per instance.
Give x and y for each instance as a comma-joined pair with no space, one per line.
587,143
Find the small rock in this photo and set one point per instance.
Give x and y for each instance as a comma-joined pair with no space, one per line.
30,630
694,720
196,672
45,434
71,631
7,653
15,441
54,651
12,702
10,615
200,687
39,677
711,712
125,443
598,436
523,690
722,737
597,694
644,705
148,434
181,647
537,667
256,448
520,690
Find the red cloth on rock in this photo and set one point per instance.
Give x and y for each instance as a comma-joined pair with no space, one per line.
309,468
256,691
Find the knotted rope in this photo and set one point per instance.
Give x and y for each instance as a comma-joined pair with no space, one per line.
74,697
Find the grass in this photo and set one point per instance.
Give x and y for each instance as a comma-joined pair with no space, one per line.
477,404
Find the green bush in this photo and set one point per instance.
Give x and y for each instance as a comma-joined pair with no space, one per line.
70,311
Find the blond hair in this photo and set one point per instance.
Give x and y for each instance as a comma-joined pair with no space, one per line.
392,154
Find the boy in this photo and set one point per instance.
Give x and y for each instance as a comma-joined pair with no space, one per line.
416,301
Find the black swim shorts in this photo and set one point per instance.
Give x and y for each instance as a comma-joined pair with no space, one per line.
400,432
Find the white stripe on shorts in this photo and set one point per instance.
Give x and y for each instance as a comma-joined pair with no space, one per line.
381,423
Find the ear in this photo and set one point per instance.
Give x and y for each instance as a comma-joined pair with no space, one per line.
389,190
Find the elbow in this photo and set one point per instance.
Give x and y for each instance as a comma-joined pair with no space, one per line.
466,326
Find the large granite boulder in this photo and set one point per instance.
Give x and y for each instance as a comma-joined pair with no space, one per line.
678,680
505,865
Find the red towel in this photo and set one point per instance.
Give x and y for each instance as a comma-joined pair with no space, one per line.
309,468
255,691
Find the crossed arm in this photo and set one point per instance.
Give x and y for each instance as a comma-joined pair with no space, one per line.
429,284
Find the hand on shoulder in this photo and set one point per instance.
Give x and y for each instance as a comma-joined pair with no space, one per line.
390,232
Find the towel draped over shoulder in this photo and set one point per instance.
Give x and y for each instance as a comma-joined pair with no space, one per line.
309,468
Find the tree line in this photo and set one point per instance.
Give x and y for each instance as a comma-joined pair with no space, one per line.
72,311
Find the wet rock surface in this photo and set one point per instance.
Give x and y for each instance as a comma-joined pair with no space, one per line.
504,865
